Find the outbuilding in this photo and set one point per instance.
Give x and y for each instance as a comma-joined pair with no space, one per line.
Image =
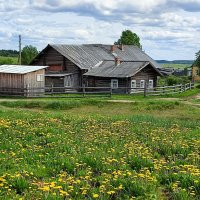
22,80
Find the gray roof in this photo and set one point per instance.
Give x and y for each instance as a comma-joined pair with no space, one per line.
125,69
89,55
19,69
84,56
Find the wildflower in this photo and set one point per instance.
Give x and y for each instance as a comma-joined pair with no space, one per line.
95,196
111,192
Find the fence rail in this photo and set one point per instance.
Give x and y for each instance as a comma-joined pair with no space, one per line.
83,91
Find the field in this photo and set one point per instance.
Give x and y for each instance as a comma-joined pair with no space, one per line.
8,60
176,66
95,149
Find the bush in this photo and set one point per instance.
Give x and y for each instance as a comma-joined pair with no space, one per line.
173,80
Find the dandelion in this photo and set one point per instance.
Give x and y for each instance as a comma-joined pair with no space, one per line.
95,196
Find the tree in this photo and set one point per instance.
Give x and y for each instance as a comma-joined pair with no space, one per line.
28,53
129,38
197,61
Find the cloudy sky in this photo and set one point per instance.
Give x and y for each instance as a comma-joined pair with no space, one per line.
169,29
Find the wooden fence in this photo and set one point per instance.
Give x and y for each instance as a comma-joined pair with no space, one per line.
93,91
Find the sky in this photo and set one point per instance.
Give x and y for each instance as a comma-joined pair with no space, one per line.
168,29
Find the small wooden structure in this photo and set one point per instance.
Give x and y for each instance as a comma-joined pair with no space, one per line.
14,79
195,73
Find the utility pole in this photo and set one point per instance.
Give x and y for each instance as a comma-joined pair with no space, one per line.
20,50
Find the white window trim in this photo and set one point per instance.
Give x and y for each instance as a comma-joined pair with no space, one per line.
133,82
40,77
150,85
142,83
68,81
112,83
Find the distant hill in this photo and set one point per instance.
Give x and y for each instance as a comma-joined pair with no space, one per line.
188,62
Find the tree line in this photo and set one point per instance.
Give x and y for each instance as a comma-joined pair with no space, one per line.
12,56
9,53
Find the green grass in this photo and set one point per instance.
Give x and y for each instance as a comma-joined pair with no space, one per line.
176,66
8,60
94,149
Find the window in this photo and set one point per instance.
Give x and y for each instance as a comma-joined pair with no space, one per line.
133,84
40,77
68,81
142,84
150,83
114,83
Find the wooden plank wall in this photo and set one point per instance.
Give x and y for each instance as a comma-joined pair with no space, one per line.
52,57
11,80
30,81
145,74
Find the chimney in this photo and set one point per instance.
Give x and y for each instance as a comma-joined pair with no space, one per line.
117,61
112,49
121,46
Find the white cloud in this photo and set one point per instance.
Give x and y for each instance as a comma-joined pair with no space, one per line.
167,28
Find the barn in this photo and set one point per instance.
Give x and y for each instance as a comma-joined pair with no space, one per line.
22,80
97,65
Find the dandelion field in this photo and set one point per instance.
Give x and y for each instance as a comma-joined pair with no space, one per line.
72,154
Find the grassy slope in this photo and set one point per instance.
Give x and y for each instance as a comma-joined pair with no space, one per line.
8,60
87,149
175,66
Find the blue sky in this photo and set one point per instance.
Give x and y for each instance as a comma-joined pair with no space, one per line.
169,29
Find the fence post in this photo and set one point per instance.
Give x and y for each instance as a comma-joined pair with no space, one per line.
164,89
26,93
175,88
145,89
110,91
52,89
183,88
83,90
190,85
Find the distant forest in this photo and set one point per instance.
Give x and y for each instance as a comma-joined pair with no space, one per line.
189,62
9,53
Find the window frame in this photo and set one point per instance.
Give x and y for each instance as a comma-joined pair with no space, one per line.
142,81
135,84
150,80
113,83
40,77
68,81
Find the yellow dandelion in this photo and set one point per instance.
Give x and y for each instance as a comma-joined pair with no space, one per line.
95,196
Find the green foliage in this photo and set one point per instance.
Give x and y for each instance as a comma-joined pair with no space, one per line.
9,53
129,38
173,80
8,60
28,53
56,105
58,155
175,66
197,61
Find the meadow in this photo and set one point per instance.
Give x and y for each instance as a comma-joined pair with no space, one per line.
8,60
175,66
95,149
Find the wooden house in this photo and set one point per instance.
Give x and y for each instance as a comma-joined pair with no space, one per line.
97,65
20,79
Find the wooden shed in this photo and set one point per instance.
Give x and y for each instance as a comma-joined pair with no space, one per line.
22,80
